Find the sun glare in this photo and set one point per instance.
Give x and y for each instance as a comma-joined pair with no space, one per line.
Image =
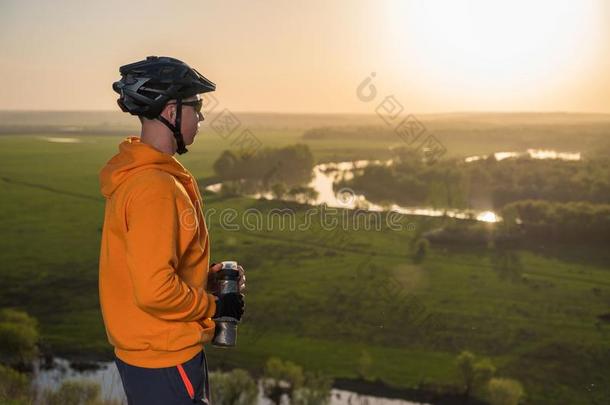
491,45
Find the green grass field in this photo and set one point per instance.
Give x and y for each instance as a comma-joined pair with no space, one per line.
316,297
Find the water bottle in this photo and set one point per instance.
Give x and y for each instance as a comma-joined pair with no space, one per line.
226,326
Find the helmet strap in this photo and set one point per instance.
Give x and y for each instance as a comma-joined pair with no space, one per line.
176,129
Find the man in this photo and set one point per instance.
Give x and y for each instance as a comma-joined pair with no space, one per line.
157,295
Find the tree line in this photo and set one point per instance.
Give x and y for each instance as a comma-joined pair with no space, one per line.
486,184
271,169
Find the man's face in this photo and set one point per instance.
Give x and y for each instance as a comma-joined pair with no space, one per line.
191,119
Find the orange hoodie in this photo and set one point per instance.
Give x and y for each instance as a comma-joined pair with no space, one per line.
154,259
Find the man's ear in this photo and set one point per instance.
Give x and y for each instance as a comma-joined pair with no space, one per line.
169,113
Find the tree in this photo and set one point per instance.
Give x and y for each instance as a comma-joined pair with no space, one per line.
422,246
225,166
278,190
18,337
291,165
504,391
281,378
365,361
315,391
474,374
233,388
572,221
229,189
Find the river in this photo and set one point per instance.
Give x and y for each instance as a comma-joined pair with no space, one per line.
326,174
532,153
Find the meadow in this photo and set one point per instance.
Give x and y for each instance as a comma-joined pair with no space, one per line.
349,302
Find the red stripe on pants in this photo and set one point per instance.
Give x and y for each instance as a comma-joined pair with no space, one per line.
186,381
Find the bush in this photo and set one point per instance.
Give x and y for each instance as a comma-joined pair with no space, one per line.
463,233
74,392
475,374
279,190
18,337
281,378
504,391
365,362
229,189
570,221
422,246
13,386
233,388
316,391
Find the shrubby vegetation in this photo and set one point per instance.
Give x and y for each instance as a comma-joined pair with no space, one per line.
531,220
474,373
511,180
573,221
233,388
549,199
282,382
482,184
18,347
76,392
279,170
18,337
420,250
284,379
504,391
465,233
13,386
478,380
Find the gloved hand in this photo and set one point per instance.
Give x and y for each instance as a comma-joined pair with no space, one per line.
213,286
231,304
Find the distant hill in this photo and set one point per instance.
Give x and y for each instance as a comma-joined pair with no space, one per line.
462,133
104,121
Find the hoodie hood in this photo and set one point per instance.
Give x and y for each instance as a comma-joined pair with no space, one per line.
135,156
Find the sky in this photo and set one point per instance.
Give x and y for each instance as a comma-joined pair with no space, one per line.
316,56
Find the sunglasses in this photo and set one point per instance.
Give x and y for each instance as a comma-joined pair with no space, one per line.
198,104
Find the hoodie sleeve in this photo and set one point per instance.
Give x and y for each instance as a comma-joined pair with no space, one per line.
152,259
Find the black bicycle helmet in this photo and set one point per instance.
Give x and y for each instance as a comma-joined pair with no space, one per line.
146,87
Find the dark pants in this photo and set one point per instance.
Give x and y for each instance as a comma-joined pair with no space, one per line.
184,384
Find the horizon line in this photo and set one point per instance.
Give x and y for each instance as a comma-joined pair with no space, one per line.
455,112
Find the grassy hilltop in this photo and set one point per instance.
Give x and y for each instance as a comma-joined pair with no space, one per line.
329,300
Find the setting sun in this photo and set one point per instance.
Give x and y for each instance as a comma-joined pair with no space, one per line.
496,51
435,56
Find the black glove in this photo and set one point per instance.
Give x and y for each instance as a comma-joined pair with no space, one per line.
231,304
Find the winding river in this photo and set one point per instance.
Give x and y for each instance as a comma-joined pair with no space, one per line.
326,174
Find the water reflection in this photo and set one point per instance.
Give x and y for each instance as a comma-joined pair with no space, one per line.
326,174
107,376
532,153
